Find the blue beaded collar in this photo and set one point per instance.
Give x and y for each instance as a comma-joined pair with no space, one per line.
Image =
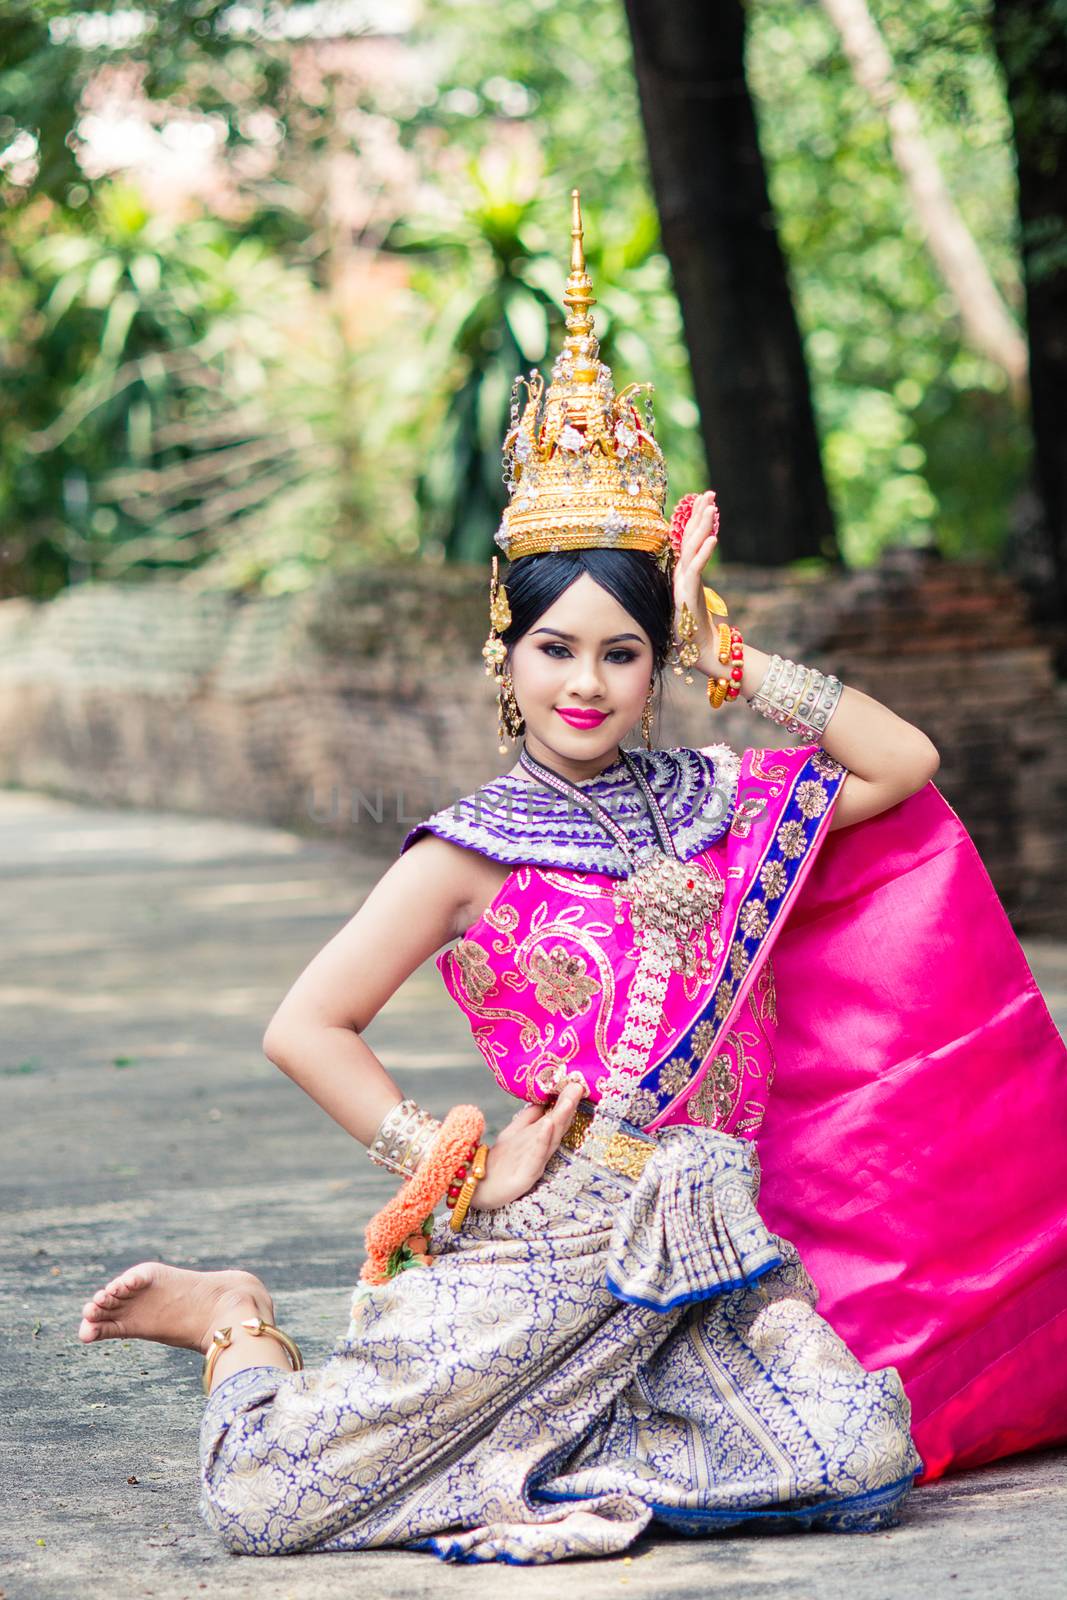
516,821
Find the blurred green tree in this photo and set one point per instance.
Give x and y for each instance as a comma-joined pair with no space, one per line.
720,235
921,440
496,276
1031,38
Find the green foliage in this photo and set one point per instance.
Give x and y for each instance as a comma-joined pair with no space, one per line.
495,281
142,414
187,392
922,442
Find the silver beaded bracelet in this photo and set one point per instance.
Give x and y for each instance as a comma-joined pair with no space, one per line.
798,698
403,1138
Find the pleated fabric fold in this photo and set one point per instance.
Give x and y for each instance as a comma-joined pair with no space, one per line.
690,1228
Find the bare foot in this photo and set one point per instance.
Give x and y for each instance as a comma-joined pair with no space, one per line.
172,1305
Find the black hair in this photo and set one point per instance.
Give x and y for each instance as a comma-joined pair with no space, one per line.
632,577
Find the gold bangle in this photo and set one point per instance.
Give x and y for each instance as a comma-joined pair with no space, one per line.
470,1183
717,690
724,643
222,1339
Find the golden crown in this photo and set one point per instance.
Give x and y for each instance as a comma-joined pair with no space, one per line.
581,464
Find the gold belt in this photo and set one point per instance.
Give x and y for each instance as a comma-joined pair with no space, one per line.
627,1153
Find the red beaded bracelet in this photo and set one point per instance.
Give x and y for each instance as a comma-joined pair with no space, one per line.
733,654
459,1176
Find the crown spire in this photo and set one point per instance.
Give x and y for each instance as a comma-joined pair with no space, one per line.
578,297
581,462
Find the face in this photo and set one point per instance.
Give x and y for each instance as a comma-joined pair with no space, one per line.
585,654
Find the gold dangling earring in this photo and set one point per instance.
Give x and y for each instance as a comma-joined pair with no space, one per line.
688,653
494,650
511,718
646,715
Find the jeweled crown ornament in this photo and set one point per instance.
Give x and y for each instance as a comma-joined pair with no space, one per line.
581,462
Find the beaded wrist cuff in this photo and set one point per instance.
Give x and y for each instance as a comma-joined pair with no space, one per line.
403,1138
798,698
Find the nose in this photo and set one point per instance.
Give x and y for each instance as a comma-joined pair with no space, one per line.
586,681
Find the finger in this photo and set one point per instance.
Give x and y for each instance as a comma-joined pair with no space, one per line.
696,555
567,1104
528,1115
702,514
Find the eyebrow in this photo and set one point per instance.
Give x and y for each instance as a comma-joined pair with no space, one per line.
572,638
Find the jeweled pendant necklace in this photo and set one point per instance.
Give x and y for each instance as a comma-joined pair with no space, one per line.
672,902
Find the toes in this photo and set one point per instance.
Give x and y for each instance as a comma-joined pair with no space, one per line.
132,1281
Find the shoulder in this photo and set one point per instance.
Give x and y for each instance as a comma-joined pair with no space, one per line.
436,880
488,821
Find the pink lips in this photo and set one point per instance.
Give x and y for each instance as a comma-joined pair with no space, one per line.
582,719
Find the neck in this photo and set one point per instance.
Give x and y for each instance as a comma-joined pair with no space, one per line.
567,766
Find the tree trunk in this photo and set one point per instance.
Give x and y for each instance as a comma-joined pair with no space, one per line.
988,325
1031,41
719,233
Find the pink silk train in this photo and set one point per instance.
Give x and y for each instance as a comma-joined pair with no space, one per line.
915,1143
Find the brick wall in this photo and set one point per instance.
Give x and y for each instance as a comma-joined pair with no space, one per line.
357,707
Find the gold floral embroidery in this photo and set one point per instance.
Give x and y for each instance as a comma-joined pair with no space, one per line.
763,765
791,840
754,919
544,1077
739,960
812,798
703,1038
714,1099
774,880
824,763
724,999
564,984
475,974
749,1124
675,1074
504,920
766,995
641,1107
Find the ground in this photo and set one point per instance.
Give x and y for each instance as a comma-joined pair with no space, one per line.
145,955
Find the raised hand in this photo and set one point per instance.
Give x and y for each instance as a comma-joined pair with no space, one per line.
698,545
520,1155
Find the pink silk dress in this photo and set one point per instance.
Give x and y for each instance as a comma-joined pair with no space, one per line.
896,1066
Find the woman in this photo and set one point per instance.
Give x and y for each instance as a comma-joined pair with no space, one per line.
604,1331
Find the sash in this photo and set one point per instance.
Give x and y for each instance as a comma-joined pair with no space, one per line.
915,1143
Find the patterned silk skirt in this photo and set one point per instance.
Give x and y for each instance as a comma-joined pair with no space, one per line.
604,1354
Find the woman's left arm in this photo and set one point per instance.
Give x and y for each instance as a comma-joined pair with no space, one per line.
887,758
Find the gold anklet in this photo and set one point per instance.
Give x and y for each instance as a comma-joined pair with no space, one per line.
222,1338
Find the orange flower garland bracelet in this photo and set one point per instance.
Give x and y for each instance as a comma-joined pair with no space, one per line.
451,1168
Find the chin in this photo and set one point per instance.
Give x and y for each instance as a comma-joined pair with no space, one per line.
586,744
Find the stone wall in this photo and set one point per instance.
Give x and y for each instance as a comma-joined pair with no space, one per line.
359,706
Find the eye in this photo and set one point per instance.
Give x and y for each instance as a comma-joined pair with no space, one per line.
619,656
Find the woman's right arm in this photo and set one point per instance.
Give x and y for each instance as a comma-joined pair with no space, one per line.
422,902
417,906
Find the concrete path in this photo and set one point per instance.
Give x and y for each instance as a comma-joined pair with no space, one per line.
145,954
